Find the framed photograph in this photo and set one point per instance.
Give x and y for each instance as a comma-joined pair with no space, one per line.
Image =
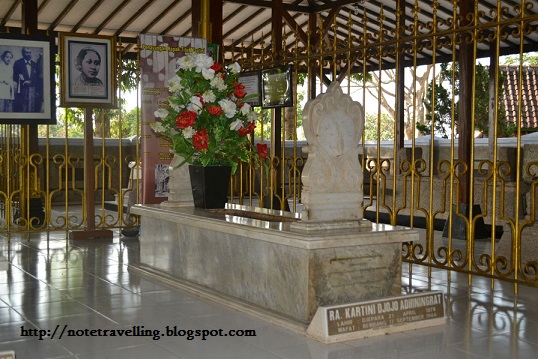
27,86
252,83
88,70
277,87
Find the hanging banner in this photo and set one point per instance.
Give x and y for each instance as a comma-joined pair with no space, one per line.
158,56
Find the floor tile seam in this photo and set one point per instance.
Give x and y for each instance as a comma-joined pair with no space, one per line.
254,346
34,277
463,351
98,313
114,284
396,346
71,299
165,349
203,323
273,351
511,335
6,304
26,319
109,350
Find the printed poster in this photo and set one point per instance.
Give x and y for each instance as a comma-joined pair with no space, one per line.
158,56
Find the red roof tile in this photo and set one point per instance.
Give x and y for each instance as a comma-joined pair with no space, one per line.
529,92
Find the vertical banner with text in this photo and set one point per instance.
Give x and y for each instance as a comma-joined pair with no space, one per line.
158,56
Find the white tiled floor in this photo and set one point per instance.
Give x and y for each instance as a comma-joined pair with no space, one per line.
86,284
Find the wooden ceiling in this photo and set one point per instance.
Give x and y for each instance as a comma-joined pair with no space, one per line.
246,22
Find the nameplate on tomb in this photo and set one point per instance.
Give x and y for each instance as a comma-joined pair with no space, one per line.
383,313
338,323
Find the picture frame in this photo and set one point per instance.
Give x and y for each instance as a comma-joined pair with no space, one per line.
277,87
252,82
88,70
27,85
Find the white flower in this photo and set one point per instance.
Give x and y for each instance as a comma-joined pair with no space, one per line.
202,61
157,127
188,132
208,74
185,62
218,83
195,104
209,96
174,84
236,125
161,113
228,107
245,110
235,68
175,107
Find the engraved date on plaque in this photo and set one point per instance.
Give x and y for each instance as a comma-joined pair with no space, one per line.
385,312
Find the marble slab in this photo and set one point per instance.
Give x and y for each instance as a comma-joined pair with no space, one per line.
265,264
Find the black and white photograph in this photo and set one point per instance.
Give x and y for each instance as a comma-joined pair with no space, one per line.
162,176
26,90
88,71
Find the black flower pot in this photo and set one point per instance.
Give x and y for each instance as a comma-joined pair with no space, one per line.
210,185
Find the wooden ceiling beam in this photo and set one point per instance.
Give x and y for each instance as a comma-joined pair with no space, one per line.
42,6
178,21
154,22
253,16
269,4
63,13
256,29
110,17
90,12
10,12
301,35
139,13
327,22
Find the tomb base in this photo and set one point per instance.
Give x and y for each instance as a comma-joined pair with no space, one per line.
258,261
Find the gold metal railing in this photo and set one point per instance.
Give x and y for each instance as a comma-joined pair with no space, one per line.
416,183
44,191
420,184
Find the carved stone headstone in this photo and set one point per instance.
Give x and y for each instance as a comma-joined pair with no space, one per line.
332,178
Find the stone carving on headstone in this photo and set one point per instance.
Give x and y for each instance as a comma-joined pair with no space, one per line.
332,194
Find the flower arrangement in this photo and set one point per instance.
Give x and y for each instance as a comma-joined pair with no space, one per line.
208,119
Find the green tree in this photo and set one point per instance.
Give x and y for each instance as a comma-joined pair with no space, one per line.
386,127
529,59
440,112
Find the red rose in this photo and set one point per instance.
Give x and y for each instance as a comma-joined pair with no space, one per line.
200,139
239,90
186,119
243,131
262,149
216,67
214,110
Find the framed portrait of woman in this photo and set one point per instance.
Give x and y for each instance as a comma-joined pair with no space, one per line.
88,71
27,87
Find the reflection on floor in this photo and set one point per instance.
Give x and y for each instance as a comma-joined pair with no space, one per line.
57,289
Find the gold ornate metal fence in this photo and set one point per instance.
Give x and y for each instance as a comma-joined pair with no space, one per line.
421,183
44,190
415,182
